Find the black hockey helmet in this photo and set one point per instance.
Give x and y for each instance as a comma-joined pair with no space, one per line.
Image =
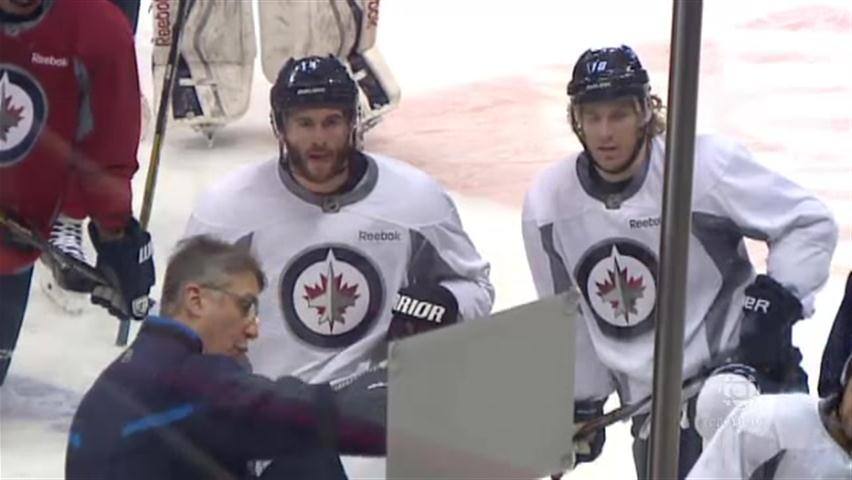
606,74
313,82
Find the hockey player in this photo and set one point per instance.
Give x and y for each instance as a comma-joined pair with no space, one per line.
784,436
65,288
349,236
177,404
69,102
592,222
838,346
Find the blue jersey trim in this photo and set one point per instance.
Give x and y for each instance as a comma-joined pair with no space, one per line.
158,419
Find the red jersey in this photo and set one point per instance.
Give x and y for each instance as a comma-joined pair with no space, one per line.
69,102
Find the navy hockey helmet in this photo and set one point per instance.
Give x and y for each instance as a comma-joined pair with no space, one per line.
313,82
606,74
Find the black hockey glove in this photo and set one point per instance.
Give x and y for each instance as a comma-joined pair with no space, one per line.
769,312
362,403
128,265
588,448
420,308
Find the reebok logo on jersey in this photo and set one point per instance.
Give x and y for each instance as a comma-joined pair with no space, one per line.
755,304
48,60
419,308
390,236
645,222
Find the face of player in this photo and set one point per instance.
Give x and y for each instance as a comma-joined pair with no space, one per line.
19,7
318,143
611,129
844,412
228,317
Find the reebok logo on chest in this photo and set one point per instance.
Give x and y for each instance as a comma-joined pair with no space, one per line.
48,60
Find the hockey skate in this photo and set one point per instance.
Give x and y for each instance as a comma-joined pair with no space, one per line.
65,288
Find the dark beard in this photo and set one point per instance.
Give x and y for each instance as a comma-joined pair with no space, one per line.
298,165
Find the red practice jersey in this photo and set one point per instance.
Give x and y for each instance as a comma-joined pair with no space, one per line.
69,107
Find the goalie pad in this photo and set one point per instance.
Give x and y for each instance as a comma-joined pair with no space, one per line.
215,65
343,28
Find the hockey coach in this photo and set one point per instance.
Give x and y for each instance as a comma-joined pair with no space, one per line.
180,404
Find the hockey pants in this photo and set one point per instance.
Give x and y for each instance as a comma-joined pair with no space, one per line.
14,294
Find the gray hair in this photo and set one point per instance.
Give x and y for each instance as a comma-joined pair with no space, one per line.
205,260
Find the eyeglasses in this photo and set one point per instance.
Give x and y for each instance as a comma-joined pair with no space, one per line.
248,304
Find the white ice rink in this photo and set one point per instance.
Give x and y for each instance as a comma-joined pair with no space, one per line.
483,109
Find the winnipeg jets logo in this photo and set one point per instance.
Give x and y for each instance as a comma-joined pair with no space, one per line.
620,289
331,296
23,110
618,280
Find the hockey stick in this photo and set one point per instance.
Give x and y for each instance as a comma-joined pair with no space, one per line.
25,236
184,6
690,387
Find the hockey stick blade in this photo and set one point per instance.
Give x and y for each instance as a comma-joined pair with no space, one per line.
27,237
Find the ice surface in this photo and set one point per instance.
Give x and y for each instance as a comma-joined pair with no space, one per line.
483,110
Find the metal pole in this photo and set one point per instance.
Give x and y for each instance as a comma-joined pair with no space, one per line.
674,241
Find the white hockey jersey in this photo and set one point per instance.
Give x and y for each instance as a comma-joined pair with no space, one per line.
774,437
335,263
608,246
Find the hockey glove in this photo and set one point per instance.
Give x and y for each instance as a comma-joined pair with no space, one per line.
588,448
128,265
361,402
769,312
420,308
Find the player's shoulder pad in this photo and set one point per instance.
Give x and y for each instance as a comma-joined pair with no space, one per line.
232,200
406,195
716,158
111,30
551,188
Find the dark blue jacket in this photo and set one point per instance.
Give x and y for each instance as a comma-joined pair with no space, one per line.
163,410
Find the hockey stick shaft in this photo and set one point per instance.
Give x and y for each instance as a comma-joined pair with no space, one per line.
169,77
689,388
184,6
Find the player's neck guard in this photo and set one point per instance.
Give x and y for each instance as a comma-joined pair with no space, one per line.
364,174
